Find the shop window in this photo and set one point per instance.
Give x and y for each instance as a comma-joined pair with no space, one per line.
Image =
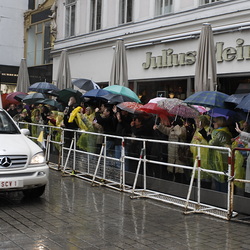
96,14
202,2
38,44
70,6
163,7
126,11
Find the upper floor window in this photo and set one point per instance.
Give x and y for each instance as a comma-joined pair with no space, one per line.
34,4
202,2
38,44
163,7
126,11
70,17
96,14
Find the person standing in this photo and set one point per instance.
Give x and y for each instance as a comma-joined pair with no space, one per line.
177,133
245,137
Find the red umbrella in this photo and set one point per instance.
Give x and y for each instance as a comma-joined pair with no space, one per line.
11,97
152,108
131,107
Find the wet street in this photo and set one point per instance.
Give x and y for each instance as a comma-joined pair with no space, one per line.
74,215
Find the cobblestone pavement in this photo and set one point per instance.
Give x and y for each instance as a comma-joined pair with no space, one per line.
74,215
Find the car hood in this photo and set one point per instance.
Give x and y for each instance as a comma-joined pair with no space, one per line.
17,144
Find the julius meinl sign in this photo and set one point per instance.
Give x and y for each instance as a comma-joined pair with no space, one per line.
169,59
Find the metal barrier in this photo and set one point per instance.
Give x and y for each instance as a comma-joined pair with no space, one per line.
101,166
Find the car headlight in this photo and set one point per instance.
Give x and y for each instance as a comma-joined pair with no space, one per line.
37,158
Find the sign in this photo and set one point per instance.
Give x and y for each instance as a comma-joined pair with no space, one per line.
169,59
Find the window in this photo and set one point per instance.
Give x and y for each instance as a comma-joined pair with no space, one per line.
96,14
38,44
163,7
70,6
208,1
126,11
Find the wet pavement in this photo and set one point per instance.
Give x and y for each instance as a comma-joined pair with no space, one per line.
74,215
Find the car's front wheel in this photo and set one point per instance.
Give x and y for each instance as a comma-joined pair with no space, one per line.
35,192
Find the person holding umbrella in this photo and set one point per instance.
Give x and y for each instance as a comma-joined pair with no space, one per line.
245,137
220,136
68,135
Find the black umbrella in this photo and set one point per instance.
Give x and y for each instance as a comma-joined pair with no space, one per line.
33,98
51,102
85,84
65,94
115,98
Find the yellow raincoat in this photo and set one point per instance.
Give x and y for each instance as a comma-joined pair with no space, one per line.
218,159
198,139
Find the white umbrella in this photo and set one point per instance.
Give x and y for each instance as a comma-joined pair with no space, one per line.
205,71
63,74
119,70
23,81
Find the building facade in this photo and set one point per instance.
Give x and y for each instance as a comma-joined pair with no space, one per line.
161,39
11,42
38,40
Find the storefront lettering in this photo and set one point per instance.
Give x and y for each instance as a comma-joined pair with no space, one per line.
169,59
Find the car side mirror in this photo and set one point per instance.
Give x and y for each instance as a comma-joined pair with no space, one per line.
25,131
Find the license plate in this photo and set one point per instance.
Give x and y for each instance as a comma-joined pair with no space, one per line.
11,184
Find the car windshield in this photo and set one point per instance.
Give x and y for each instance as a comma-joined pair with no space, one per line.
7,125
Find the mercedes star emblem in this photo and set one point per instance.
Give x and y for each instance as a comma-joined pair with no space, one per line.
5,161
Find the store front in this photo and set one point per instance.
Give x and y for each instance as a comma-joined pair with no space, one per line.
161,70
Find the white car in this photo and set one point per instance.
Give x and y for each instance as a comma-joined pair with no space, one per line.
22,162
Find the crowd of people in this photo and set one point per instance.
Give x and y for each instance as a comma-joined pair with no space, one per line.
103,118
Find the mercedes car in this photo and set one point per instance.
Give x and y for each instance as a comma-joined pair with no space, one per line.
22,162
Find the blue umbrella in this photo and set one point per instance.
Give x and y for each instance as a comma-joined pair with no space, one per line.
42,87
244,103
235,98
96,93
207,99
218,112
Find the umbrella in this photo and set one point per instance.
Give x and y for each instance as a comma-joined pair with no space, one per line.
205,70
184,110
85,84
244,103
33,98
168,103
53,92
63,74
96,93
131,107
43,87
235,98
11,97
117,89
20,97
207,99
50,102
65,94
153,108
23,80
218,112
119,70
115,98
201,109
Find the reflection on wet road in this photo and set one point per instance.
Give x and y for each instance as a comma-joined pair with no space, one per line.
74,215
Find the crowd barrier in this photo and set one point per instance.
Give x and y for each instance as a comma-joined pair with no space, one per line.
88,156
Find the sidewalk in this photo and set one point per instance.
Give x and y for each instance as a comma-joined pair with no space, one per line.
74,215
